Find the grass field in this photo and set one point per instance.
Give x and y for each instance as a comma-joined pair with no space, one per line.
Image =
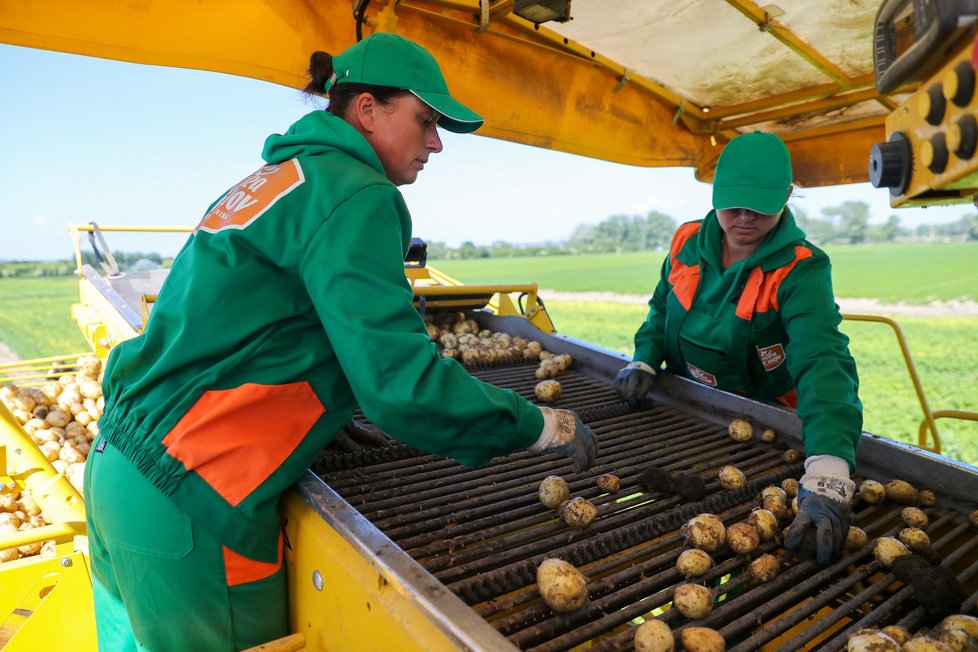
35,321
890,273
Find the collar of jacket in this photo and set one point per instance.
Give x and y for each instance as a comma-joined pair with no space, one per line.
318,133
777,249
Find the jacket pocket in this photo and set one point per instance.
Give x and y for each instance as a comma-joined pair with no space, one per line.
235,438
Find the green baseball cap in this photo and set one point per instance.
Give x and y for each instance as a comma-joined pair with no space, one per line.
754,171
384,59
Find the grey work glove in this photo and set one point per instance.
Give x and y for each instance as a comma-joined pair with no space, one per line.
824,494
564,431
634,382
355,436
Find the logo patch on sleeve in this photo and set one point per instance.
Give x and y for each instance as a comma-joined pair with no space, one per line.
248,200
771,356
701,376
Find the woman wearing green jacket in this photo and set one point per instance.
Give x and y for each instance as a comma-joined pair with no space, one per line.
745,304
286,309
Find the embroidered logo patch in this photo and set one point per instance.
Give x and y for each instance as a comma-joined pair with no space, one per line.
771,356
248,200
702,376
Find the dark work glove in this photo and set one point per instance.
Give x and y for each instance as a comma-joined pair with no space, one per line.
824,494
355,436
564,431
634,382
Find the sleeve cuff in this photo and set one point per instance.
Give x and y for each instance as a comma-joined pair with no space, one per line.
547,434
827,465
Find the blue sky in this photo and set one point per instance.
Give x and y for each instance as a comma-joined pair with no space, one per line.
126,144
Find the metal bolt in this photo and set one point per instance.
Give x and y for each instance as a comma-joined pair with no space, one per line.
317,580
66,562
12,485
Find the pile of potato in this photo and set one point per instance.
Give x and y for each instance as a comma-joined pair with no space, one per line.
61,417
462,339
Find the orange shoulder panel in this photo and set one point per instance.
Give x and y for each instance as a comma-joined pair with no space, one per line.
683,278
761,292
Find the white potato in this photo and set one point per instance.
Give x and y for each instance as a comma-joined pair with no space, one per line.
562,586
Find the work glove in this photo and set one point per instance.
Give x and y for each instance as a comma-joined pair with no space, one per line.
824,494
634,382
355,436
564,431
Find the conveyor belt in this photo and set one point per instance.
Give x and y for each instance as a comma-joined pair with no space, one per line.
482,533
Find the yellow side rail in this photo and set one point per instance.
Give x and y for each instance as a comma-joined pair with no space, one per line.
929,421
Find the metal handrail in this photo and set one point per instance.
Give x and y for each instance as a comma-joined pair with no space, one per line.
928,421
943,414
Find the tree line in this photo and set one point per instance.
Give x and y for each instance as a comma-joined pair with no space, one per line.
126,260
847,223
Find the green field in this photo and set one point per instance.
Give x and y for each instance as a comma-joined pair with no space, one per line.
891,273
35,321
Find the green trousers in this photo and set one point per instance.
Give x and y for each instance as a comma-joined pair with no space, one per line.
161,582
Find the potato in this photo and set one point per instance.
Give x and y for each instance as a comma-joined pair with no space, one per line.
792,456
924,643
8,503
768,436
562,587
956,639
764,522
742,538
764,568
546,371
654,636
913,538
914,517
871,640
965,623
705,531
973,517
702,639
778,506
547,391
608,483
856,538
731,477
926,498
790,486
693,562
886,549
578,513
897,633
771,490
740,430
692,600
553,491
872,492
901,492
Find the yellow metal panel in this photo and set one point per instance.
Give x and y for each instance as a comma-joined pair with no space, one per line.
47,604
357,608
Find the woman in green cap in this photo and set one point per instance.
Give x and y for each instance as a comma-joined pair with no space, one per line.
287,307
745,304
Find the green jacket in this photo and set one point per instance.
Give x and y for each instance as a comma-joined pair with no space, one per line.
286,308
766,327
